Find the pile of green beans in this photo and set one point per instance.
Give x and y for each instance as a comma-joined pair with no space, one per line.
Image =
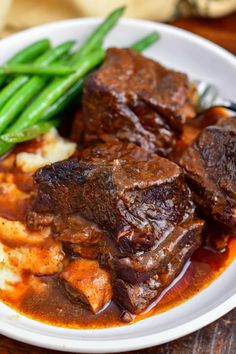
41,81
33,85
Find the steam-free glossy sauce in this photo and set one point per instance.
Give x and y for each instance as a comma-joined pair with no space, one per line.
44,298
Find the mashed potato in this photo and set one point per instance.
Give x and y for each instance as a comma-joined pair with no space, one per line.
8,274
16,233
46,259
54,148
20,248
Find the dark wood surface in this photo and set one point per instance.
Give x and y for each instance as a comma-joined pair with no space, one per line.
221,31
220,336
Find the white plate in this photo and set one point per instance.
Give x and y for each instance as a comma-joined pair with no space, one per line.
200,59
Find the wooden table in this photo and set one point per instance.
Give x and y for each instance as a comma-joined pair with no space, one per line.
220,336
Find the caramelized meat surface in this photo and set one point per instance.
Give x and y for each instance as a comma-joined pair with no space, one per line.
210,165
86,282
137,297
136,200
139,268
79,236
140,202
135,99
77,230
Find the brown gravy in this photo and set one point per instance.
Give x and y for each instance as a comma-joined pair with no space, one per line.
44,298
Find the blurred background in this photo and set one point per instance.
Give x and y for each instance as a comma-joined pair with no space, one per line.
17,15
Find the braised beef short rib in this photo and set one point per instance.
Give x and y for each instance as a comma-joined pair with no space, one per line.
136,297
210,165
135,99
141,205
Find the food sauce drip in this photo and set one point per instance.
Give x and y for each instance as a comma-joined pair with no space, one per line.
44,298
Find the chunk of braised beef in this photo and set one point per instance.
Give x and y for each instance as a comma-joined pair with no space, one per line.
137,297
135,201
210,166
140,267
133,98
87,283
138,207
75,229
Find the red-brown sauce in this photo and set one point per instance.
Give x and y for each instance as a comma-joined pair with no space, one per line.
44,298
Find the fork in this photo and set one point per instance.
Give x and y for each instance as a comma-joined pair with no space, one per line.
209,98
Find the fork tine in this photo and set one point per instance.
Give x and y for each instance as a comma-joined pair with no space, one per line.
209,97
203,99
207,94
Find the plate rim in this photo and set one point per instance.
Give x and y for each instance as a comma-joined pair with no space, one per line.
127,21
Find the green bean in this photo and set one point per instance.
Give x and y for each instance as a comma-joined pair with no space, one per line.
21,80
9,139
63,101
11,89
5,147
30,52
52,70
51,94
97,37
27,54
146,42
55,90
18,101
30,133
